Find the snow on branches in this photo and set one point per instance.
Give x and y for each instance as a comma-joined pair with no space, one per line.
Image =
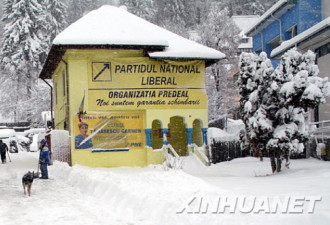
273,102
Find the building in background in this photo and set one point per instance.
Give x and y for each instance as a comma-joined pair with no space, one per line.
244,22
282,22
304,24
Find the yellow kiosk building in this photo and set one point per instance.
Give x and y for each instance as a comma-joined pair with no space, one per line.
126,89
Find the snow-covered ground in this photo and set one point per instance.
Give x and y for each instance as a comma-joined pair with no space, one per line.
81,195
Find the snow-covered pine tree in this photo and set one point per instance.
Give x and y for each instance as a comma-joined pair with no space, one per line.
256,100
22,46
300,89
142,8
174,15
247,7
261,121
247,85
56,20
78,8
274,103
218,31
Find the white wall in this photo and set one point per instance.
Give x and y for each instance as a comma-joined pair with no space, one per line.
324,66
325,9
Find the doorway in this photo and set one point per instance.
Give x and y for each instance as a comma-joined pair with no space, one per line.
156,135
197,135
177,135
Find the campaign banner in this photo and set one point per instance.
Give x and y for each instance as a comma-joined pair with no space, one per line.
141,83
142,72
147,99
109,131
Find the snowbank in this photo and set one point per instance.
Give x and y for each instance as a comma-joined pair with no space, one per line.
7,133
148,196
221,135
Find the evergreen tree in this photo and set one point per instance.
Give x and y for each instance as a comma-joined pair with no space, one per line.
273,103
142,8
300,89
254,85
21,49
174,15
247,7
218,31
56,20
78,8
246,86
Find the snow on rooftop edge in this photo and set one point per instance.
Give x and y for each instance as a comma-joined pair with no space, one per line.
266,14
291,43
243,22
128,29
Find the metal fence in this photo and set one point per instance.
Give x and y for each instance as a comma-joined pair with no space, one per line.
225,150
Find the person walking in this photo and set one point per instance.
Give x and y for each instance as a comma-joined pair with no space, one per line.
44,159
3,149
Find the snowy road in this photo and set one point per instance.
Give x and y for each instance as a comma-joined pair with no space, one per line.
152,196
51,202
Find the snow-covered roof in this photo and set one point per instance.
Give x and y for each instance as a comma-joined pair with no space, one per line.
244,22
113,27
110,25
5,133
324,24
280,7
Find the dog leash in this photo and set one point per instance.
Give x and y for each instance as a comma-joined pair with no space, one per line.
8,156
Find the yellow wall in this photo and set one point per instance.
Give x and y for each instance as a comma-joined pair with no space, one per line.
110,159
165,114
82,66
60,100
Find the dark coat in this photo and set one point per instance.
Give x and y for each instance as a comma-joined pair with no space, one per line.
3,148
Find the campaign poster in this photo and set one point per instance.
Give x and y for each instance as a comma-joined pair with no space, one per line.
109,131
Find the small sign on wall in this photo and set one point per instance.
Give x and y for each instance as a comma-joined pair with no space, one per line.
101,71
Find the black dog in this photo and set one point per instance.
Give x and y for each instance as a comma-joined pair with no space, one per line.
27,181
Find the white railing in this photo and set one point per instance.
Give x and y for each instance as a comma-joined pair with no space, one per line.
175,161
202,157
322,131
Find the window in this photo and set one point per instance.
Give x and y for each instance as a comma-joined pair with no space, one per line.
275,42
55,92
294,31
291,32
245,40
245,50
323,50
63,79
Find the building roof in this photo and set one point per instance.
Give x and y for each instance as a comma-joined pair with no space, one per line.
244,22
112,27
316,35
276,11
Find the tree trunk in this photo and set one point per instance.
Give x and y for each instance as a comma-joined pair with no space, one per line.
278,162
272,161
18,80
